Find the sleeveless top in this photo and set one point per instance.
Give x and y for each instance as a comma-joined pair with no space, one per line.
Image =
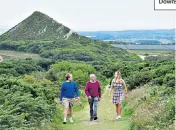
118,95
117,86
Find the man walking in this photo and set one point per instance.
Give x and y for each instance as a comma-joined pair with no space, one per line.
67,94
93,92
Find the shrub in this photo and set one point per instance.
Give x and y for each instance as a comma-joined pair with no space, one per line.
171,83
158,81
138,79
156,111
25,105
168,77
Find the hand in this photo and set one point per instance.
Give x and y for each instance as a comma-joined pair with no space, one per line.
99,99
60,102
126,96
89,97
78,98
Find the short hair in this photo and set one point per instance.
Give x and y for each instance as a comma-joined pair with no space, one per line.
67,76
92,75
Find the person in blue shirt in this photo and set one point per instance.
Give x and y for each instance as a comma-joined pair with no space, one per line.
67,96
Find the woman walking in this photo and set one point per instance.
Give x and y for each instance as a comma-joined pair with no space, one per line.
120,92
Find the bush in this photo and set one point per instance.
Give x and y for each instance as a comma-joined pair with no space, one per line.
138,79
25,105
171,83
156,111
158,81
80,71
19,67
168,77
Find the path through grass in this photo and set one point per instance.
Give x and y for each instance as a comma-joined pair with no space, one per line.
106,121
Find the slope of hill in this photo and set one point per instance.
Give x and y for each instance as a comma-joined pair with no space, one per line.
38,26
42,35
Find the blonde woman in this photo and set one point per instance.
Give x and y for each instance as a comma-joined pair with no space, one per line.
120,92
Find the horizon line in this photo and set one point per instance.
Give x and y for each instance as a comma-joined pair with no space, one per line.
142,29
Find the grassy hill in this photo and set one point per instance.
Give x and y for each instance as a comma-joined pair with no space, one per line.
43,35
36,27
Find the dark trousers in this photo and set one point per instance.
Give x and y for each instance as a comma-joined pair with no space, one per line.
93,103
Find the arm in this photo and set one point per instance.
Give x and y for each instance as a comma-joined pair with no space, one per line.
110,83
77,90
61,92
87,90
124,85
99,90
111,88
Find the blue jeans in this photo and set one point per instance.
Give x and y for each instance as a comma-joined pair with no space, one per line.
93,102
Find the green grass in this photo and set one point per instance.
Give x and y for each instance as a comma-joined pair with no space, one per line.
6,54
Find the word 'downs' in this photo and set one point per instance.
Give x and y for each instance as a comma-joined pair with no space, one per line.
167,1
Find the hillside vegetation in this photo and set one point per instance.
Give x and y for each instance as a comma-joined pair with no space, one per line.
34,92
36,27
6,54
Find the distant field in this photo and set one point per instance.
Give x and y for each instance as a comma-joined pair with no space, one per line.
17,55
164,54
142,52
145,47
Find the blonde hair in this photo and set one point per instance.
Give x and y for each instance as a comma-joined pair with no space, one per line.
118,72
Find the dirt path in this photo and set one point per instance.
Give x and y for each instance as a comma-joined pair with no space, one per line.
106,121
1,59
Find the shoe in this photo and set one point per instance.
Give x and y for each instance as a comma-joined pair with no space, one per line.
95,118
91,119
118,118
64,122
71,121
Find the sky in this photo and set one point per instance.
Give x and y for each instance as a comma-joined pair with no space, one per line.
90,15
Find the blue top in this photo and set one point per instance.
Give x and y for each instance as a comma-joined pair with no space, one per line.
68,90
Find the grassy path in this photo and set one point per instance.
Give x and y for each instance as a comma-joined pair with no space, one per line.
106,121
